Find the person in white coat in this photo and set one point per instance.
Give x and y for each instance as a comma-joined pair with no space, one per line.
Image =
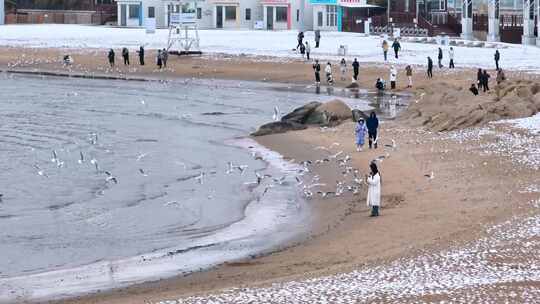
393,77
451,56
374,189
328,71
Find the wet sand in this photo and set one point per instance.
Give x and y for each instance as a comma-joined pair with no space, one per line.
470,191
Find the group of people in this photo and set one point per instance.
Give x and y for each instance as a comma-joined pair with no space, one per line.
304,47
161,58
373,179
329,73
395,45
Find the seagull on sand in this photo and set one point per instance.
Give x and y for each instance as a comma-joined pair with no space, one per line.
276,115
142,172
430,176
393,145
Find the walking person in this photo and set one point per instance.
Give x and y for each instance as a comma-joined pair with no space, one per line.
159,60
308,50
485,79
397,47
317,38
440,56
408,72
328,71
111,58
360,132
125,55
300,39
480,79
451,57
141,55
429,67
393,77
385,49
497,57
164,57
343,68
374,189
356,67
372,125
317,70
302,50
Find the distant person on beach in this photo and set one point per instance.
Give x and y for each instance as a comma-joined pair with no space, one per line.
485,80
479,79
164,57
393,77
429,67
497,57
360,132
68,60
356,67
317,70
397,47
439,57
300,39
379,84
451,57
308,50
408,72
317,38
111,57
473,89
302,50
125,55
500,76
385,49
141,55
372,125
343,69
374,189
328,71
159,60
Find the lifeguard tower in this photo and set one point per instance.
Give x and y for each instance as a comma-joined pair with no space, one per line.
183,30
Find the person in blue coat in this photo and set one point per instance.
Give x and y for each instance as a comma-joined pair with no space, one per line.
360,132
372,124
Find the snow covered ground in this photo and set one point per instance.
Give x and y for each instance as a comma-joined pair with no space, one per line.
265,43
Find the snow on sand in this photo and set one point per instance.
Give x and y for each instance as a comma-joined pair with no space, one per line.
262,43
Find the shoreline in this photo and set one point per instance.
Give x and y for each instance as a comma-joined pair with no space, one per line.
449,207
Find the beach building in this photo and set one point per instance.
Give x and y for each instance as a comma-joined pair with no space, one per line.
221,14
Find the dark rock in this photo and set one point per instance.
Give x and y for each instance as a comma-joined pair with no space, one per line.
278,127
299,115
357,114
353,85
330,113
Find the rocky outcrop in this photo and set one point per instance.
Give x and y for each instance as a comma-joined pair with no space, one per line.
314,113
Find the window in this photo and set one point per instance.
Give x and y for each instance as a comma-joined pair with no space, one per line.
297,15
320,19
199,13
331,15
230,12
133,11
248,14
281,14
151,12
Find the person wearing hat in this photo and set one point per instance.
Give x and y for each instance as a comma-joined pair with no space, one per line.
360,132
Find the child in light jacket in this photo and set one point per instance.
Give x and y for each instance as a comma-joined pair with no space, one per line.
360,132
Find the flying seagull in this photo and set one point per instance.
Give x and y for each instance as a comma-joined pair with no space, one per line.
110,178
81,159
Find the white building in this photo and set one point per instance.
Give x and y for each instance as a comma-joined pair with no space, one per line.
227,14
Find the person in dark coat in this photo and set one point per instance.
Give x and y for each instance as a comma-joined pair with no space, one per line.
473,89
300,40
125,55
302,50
159,59
111,57
141,55
379,84
397,47
485,79
480,79
429,67
317,70
440,56
164,57
497,57
356,67
317,38
372,125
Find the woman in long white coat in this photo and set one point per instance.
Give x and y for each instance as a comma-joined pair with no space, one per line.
374,190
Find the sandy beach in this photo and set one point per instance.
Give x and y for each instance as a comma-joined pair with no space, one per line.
472,188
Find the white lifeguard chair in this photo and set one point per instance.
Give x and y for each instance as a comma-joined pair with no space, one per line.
183,30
